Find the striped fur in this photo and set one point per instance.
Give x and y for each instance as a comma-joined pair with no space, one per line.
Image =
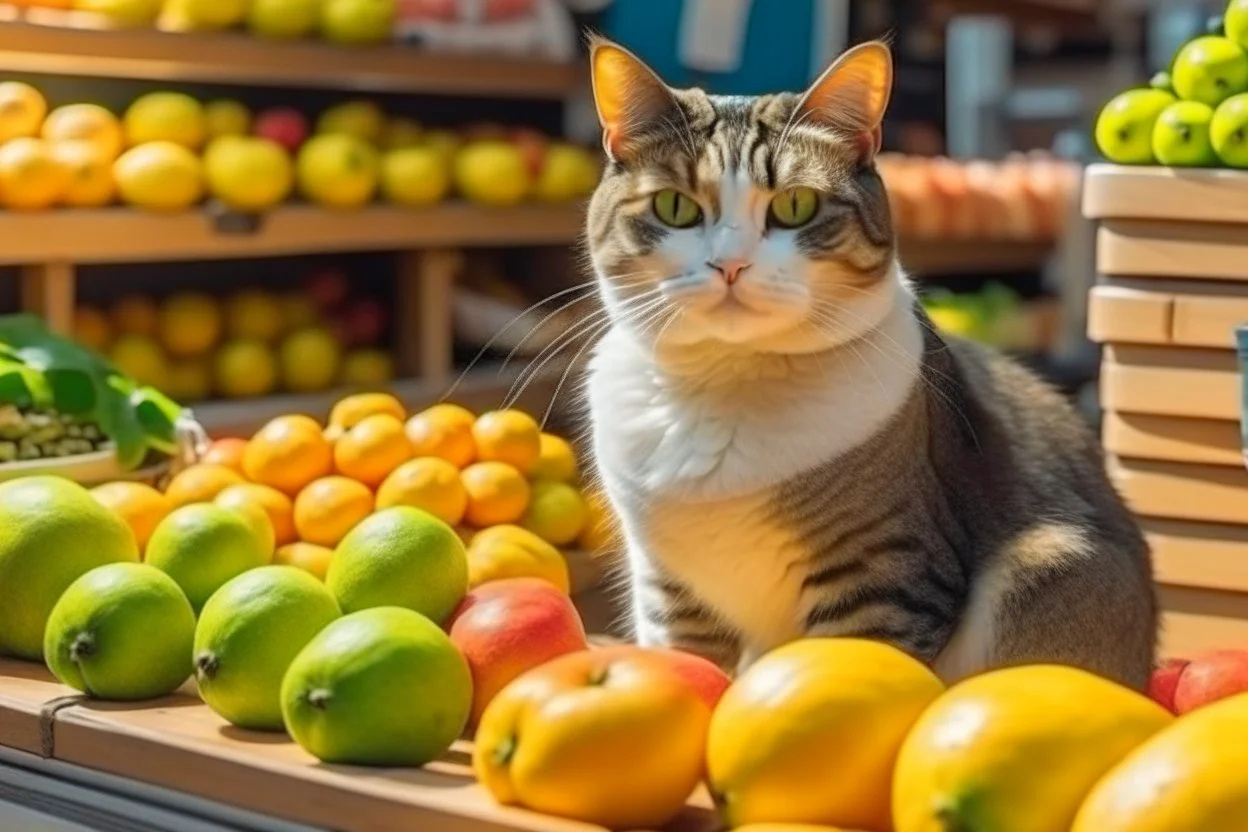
799,453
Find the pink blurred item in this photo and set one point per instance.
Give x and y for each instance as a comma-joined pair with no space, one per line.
533,28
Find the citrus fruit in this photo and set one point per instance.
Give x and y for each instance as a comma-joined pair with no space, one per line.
508,555
367,367
767,747
225,117
123,13
165,117
248,633
556,512
400,557
351,694
401,132
1190,775
258,519
140,506
1181,136
245,367
309,557
140,358
337,171
309,360
415,176
31,176
89,174
201,484
92,328
361,119
1209,69
22,110
492,172
372,449
190,323
202,546
330,507
228,452
288,453
254,314
358,21
283,19
163,177
428,483
121,631
508,436
52,531
275,505
352,410
135,315
555,460
248,173
445,431
89,123
1124,128
497,493
1017,749
298,312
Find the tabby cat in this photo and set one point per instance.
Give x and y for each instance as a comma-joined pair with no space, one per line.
792,448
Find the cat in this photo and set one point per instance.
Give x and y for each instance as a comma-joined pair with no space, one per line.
792,449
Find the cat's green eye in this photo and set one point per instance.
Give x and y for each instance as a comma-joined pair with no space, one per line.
676,209
794,207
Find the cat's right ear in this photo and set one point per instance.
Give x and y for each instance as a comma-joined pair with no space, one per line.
627,93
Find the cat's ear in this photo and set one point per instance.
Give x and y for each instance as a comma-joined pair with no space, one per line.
851,95
627,93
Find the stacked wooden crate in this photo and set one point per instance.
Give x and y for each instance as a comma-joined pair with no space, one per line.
1172,255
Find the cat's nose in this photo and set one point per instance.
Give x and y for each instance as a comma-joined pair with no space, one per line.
729,270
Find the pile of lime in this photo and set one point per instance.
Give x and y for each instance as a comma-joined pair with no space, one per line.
1195,114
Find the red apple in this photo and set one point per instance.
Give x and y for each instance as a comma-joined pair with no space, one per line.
504,628
1210,677
327,289
532,145
703,676
284,125
366,321
1164,681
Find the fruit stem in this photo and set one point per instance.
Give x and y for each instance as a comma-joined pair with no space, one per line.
206,665
82,646
318,698
598,677
505,751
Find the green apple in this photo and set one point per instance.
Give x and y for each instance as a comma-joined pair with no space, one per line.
1181,135
358,21
1235,22
1229,131
1210,69
1124,129
1162,81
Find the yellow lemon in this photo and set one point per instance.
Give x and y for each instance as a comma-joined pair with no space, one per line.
31,176
556,512
88,123
190,323
508,551
497,493
159,176
1017,749
245,367
508,436
22,110
444,431
415,176
166,117
427,483
140,358
492,172
352,410
225,117
555,460
306,556
254,314
89,174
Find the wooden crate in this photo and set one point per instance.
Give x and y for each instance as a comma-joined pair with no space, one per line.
1172,257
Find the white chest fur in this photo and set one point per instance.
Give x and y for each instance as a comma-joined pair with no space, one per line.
692,458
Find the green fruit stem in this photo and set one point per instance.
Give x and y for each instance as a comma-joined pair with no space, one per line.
82,647
206,666
505,751
318,698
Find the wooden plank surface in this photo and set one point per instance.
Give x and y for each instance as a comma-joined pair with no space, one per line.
1194,383
1200,555
1205,441
25,689
1195,620
1163,248
1162,193
1182,491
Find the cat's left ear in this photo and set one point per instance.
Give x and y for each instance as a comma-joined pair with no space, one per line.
851,95
627,93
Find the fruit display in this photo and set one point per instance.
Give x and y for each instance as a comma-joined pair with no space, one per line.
167,152
994,314
1195,114
246,343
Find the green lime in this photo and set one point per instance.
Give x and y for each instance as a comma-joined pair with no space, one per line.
202,546
380,687
400,557
1235,22
1210,69
248,633
122,631
52,531
1181,135
1124,129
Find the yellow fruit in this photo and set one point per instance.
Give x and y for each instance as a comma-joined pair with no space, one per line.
31,176
92,328
568,173
555,460
298,312
506,551
367,368
445,142
1017,749
329,508
22,110
283,19
140,506
444,431
135,315
226,118
338,171
306,556
123,12
415,176
1192,775
253,314
189,381
216,14
201,484
401,132
89,174
556,512
600,533
190,324
309,360
287,454
768,748
360,119
497,493
166,117
248,173
276,506
372,449
245,368
492,172
141,359
159,176
508,436
427,483
352,410
89,123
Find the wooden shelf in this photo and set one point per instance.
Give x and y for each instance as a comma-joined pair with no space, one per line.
129,236
922,257
45,41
